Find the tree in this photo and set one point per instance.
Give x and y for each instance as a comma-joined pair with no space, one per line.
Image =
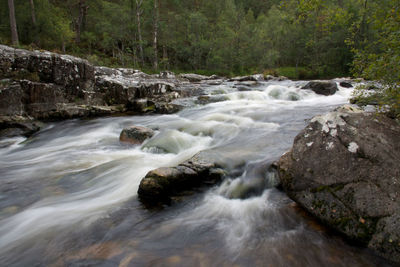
33,15
81,20
155,36
13,23
139,13
379,60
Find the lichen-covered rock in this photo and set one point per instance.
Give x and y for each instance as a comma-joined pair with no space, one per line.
344,169
159,185
322,87
135,135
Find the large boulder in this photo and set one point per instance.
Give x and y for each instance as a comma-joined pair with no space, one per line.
161,184
135,135
344,169
322,87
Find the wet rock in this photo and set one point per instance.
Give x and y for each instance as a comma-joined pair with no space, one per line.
345,84
343,169
255,77
135,135
207,99
275,78
197,78
214,82
322,87
247,84
161,184
12,128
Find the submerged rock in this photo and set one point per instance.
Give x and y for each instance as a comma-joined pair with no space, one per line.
135,135
159,185
344,169
322,87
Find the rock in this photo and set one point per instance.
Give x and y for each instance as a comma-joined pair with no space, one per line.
345,84
49,86
275,78
255,77
167,75
196,77
207,99
322,87
159,185
135,135
344,169
19,128
244,88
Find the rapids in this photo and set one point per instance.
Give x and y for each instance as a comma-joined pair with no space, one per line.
68,195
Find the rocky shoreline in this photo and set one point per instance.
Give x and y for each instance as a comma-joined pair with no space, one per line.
43,86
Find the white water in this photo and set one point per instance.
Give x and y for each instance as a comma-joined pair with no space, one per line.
73,175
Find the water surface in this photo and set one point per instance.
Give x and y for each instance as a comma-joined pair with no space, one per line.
68,195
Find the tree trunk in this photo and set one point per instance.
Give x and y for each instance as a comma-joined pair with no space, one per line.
155,45
33,15
13,23
80,24
138,15
63,45
165,57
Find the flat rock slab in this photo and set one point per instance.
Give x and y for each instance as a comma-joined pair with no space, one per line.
159,185
344,169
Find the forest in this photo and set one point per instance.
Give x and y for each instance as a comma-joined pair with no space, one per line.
297,38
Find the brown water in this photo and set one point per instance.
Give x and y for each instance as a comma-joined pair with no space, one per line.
68,195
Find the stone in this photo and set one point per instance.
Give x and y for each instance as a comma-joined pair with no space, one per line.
344,169
135,135
322,87
255,77
346,84
160,185
207,99
196,77
40,85
19,128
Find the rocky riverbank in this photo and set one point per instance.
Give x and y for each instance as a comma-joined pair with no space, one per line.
344,169
40,86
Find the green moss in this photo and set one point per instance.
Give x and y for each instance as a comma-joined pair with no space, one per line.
150,108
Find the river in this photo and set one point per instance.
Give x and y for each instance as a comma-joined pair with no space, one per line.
68,195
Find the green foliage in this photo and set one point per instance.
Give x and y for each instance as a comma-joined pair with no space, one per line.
300,39
379,59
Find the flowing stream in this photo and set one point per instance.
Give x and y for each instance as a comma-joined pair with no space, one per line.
68,195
